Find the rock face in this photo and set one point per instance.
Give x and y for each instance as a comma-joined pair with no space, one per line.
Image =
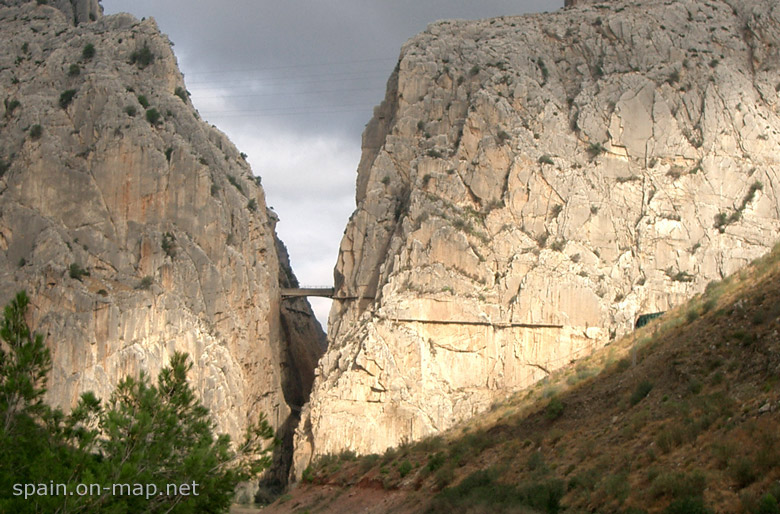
76,11
572,3
529,186
136,228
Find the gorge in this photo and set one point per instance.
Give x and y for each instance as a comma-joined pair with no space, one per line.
528,188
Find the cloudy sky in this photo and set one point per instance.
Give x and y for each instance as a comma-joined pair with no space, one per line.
293,84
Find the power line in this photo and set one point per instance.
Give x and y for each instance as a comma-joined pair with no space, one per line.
293,66
261,113
301,79
292,107
279,94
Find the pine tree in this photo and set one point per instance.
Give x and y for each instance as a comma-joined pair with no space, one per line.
150,448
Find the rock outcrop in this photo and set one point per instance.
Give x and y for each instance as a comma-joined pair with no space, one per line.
528,187
136,228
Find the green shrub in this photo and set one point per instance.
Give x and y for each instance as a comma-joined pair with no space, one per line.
346,456
744,472
131,111
181,93
235,183
679,276
768,505
153,116
543,69
143,101
404,468
368,461
536,462
168,153
546,159
617,486
143,57
66,97
74,70
77,272
88,52
390,454
554,409
670,437
444,476
146,282
430,443
751,194
252,205
690,505
642,390
721,220
585,480
558,245
679,485
481,490
36,131
596,149
436,461
11,105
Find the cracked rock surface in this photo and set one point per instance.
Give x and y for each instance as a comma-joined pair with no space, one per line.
139,234
529,186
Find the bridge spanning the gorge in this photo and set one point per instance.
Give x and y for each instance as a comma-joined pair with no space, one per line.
325,292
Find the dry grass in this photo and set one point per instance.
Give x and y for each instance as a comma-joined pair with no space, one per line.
692,425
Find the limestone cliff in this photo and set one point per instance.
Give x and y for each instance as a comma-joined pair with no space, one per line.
136,228
529,186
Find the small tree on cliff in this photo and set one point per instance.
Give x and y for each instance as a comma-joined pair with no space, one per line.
143,442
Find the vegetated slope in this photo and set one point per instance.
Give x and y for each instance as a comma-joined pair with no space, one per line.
528,188
136,228
679,416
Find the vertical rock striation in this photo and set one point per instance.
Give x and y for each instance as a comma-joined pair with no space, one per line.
137,229
529,186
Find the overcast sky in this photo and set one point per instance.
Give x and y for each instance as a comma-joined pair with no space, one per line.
293,84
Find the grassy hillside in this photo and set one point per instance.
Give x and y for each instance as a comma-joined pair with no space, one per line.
682,416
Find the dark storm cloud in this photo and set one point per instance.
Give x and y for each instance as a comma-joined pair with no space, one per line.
299,58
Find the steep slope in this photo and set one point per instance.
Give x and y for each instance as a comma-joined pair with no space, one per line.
529,186
679,416
136,228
